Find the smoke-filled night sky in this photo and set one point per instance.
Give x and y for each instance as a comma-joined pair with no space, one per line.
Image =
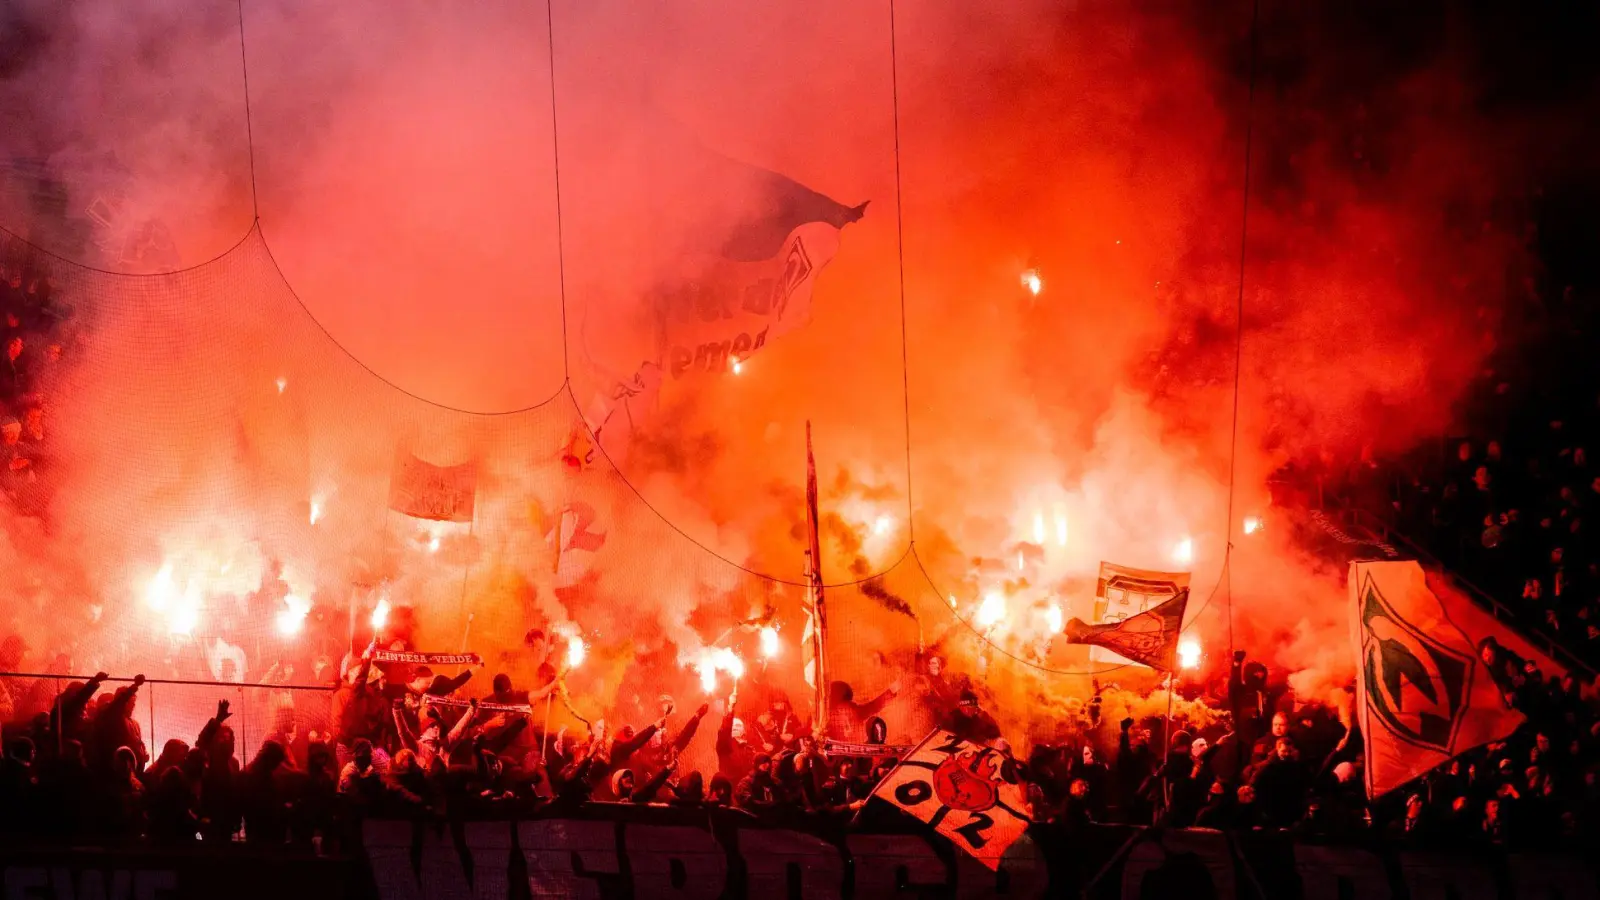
406,182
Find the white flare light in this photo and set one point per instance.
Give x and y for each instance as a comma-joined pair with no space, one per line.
769,641
292,618
883,524
1061,529
576,651
1052,618
1032,281
1252,524
719,660
1183,553
736,364
160,592
380,614
316,509
992,610
282,383
1038,528
1188,653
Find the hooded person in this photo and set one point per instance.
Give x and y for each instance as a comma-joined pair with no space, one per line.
758,790
780,728
735,754
847,719
357,709
970,722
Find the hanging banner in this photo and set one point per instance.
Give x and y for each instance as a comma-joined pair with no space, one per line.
423,490
1123,592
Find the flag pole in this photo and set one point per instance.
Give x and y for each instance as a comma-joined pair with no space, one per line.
814,581
1166,738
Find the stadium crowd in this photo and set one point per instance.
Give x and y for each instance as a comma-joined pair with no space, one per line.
33,331
404,745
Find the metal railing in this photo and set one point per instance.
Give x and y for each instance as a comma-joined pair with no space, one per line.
1356,517
179,708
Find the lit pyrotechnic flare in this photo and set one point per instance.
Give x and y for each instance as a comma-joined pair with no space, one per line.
736,365
1032,281
576,651
160,592
282,384
719,660
883,524
1052,618
1252,524
1183,554
380,614
292,618
1061,529
1038,528
1188,653
992,610
433,544
316,509
769,642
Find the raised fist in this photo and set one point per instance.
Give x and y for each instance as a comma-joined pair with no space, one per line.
701,712
138,680
1238,656
1127,723
99,677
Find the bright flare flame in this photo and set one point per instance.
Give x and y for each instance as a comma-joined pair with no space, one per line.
576,651
992,610
282,384
1183,554
1188,653
1032,281
316,509
736,364
433,544
720,660
769,641
1061,529
380,614
1252,524
1038,528
952,601
292,618
1052,618
160,592
883,524
1020,562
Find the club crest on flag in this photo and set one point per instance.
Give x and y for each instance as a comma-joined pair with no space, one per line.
1415,684
968,793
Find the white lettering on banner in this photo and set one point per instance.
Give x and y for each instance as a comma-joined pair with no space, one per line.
1323,870
675,861
1431,876
1167,865
38,883
564,856
770,856
901,863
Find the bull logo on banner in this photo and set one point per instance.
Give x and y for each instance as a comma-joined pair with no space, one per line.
968,793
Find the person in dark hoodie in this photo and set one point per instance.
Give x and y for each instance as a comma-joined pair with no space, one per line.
970,722
114,726
757,792
259,799
847,719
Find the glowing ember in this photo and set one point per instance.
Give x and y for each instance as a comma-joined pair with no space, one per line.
992,610
1052,618
282,384
1032,281
1188,653
1183,554
736,364
576,651
769,641
316,510
1252,524
380,614
883,525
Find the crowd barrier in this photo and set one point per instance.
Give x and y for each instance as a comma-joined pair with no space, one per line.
612,851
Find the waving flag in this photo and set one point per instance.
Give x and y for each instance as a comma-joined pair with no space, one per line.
749,244
1436,675
1149,638
969,794
1123,592
816,663
423,490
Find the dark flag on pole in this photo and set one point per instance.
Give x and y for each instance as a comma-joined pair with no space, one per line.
816,617
1149,638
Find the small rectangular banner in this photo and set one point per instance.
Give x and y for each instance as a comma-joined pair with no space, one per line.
1123,592
522,709
426,659
423,490
969,794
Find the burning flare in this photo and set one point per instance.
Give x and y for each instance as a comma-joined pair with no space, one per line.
992,610
292,618
1188,653
1032,281
380,614
1183,554
576,651
1252,524
720,659
769,641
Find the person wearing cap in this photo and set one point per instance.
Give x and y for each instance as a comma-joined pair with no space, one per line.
757,791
